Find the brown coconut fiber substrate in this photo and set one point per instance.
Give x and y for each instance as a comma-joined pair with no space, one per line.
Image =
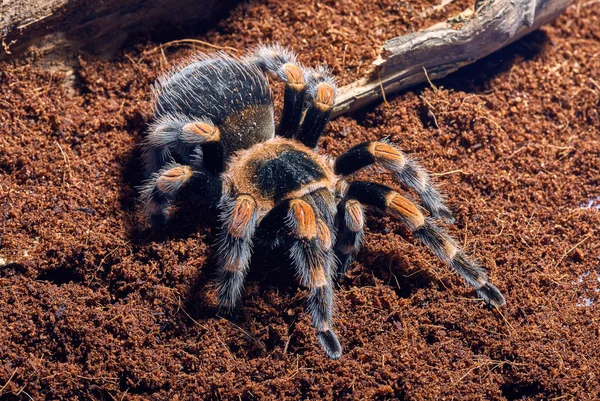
93,305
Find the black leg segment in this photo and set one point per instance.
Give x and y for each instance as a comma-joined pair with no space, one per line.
321,94
407,170
280,62
353,160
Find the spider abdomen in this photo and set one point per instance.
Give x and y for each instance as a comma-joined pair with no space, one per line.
232,94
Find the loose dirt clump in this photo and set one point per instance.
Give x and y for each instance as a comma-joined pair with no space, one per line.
94,305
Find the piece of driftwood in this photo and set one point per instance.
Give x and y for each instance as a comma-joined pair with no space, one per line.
436,52
53,27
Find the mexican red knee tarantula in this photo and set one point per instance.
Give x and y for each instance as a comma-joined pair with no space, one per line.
214,141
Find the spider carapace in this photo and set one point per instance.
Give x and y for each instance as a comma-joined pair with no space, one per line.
214,141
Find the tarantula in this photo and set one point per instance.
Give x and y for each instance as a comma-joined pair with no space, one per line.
213,140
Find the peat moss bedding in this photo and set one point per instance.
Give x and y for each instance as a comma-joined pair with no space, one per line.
94,305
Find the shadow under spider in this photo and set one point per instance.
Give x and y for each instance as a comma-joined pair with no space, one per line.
394,268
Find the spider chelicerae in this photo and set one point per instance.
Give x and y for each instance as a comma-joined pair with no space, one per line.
214,141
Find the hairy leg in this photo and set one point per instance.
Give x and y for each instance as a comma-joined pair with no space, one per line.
405,169
239,221
309,93
351,222
312,257
321,94
281,62
175,135
174,181
432,236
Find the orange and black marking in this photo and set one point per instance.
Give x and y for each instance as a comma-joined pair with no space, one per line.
325,96
303,218
354,218
318,114
356,158
323,234
206,131
242,216
380,196
294,77
293,100
366,154
279,170
401,206
171,180
350,233
405,169
386,153
432,236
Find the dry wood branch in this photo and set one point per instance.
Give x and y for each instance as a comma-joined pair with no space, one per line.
63,26
442,49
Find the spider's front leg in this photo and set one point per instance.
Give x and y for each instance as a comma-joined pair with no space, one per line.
239,221
313,259
176,181
281,62
196,143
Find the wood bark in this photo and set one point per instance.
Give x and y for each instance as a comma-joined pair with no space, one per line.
440,50
56,26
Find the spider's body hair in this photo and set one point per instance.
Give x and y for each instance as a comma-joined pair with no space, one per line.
220,90
212,87
213,142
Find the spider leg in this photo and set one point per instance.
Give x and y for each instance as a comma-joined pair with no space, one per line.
351,222
405,169
196,143
173,181
308,92
434,237
280,62
239,221
321,95
313,259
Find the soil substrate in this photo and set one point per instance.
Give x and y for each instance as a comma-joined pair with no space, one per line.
94,305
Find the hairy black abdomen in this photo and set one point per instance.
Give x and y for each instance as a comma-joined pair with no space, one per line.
233,95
